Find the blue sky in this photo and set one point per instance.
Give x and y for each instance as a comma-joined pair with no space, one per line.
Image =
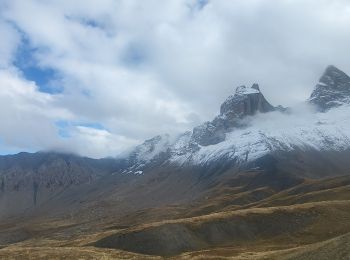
98,77
25,61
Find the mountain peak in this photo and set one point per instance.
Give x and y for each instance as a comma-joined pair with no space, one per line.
332,90
243,90
246,101
256,86
334,77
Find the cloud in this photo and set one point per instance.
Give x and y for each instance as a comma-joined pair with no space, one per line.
140,68
9,43
26,113
28,123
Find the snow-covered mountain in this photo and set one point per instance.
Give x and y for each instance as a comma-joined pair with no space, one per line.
250,141
249,127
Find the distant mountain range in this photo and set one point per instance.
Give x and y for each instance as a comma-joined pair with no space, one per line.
252,155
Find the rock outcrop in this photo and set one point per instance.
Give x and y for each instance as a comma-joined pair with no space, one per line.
245,102
333,90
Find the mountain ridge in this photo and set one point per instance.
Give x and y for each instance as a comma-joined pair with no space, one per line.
231,134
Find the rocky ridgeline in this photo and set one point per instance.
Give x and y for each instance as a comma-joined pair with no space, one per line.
333,90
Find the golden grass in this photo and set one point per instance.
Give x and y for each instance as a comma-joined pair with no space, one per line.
45,252
321,208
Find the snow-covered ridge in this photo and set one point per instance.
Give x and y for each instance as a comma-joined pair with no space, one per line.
150,148
264,133
276,131
248,128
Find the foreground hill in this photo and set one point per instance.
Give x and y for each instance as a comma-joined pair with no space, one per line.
295,222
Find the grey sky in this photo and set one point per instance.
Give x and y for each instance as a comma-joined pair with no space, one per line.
123,71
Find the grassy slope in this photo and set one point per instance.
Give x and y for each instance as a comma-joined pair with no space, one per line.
257,223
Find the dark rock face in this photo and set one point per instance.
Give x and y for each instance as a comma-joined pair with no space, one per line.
245,102
44,173
333,90
210,132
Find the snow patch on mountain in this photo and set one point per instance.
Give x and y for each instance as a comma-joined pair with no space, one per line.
243,90
275,131
150,149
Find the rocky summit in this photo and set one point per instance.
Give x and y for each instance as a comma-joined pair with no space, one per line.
333,89
246,101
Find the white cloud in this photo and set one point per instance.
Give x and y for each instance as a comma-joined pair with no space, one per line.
95,143
28,122
141,68
8,44
26,113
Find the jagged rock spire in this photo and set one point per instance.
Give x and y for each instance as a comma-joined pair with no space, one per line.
256,87
332,90
246,101
335,78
